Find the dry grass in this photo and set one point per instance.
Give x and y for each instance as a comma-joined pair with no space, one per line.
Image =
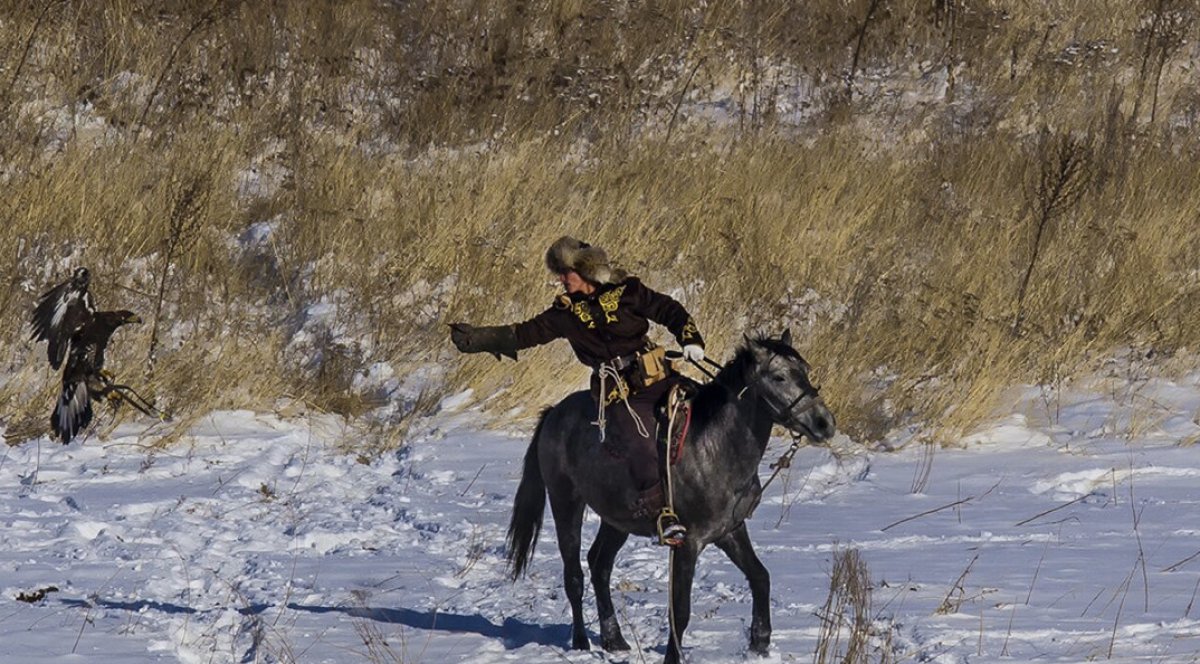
412,160
848,634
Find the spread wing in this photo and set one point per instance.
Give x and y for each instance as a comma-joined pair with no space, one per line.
61,311
73,412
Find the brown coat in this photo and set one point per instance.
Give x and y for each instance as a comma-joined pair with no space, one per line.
612,322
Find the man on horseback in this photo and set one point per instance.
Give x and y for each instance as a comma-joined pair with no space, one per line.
605,315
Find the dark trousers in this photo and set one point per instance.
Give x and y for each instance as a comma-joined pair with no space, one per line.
622,437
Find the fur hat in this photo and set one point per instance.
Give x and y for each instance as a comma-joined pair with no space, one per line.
590,262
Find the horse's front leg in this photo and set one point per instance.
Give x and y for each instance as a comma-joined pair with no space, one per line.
600,561
568,521
736,544
683,571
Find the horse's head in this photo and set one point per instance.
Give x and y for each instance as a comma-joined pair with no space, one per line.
779,376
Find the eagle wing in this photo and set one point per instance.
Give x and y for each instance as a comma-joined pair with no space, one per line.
61,311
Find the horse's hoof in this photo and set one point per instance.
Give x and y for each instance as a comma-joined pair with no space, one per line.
760,644
618,644
610,636
578,643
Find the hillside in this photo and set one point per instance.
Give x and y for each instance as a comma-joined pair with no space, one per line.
941,199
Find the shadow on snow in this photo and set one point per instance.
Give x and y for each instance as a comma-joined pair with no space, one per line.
140,605
512,633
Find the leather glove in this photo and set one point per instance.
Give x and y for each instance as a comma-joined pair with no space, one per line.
462,338
693,352
498,340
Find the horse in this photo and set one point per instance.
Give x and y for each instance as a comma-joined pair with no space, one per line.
715,484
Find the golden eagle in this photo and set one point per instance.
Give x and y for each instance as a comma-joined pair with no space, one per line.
66,318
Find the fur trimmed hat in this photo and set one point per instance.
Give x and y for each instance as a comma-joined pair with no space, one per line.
590,262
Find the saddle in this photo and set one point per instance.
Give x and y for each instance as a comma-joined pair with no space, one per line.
672,419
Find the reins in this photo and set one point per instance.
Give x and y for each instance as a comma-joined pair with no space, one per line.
785,460
816,397
699,366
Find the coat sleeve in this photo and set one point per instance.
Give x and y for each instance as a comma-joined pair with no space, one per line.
665,311
542,328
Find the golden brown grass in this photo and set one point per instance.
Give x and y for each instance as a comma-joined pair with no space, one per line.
416,158
848,633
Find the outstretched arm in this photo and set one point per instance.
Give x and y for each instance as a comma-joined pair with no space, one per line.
508,339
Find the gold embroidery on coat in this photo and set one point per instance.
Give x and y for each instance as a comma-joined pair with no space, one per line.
580,309
609,302
690,331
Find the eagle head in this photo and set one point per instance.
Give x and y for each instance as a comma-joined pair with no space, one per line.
80,277
114,319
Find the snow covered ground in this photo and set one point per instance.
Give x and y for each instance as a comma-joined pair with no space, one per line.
1066,531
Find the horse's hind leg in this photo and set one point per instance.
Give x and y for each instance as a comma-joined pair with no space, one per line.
737,546
600,561
568,521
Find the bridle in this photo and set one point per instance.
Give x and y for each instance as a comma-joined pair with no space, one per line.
814,398
785,461
780,414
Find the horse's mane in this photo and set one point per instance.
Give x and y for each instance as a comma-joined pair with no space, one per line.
731,378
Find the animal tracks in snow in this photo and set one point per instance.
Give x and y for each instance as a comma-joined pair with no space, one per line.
258,540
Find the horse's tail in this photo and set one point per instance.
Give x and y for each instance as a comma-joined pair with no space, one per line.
528,508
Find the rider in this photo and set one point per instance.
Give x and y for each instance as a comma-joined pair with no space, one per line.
604,314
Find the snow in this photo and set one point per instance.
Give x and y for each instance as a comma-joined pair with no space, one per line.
1064,531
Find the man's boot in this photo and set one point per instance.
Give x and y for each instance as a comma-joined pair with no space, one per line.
670,531
651,504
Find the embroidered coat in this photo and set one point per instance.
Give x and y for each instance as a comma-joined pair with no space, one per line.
610,323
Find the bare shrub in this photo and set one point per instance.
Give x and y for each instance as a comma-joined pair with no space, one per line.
847,634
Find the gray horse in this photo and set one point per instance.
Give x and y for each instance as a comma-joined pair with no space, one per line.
716,485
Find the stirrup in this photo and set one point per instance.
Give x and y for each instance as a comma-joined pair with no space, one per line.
670,531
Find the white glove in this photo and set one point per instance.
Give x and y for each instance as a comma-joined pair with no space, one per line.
693,352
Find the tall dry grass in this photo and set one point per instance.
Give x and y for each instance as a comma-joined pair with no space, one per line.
880,176
849,633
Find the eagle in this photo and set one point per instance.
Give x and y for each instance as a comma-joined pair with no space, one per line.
65,316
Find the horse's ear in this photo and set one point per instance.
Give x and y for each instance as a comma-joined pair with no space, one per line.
787,337
754,345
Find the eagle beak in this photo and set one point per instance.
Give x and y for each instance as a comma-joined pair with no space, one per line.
134,319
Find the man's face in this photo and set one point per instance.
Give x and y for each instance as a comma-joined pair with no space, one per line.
573,283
